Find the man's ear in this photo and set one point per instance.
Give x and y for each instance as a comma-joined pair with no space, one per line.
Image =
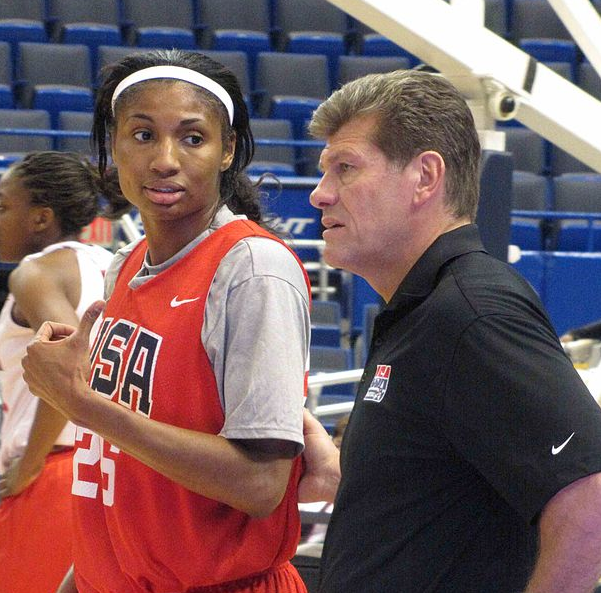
432,173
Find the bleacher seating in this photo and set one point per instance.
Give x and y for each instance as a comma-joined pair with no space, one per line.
589,80
353,67
55,77
535,19
574,192
328,359
561,162
238,62
553,51
148,23
236,26
243,35
363,340
564,69
326,323
6,77
112,53
279,160
527,147
13,146
75,121
312,27
361,294
22,21
92,23
530,192
285,94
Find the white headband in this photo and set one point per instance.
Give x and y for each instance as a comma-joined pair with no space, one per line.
178,73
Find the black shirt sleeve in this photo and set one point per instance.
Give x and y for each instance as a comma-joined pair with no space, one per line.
517,410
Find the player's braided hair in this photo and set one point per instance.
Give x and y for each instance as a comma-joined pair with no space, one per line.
71,186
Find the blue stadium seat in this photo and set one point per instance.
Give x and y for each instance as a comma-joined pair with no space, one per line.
530,192
238,63
326,323
359,294
107,54
6,76
22,21
57,98
55,77
278,158
353,67
325,335
149,23
561,162
589,80
285,94
363,340
552,50
374,44
259,168
326,312
528,148
328,359
14,146
312,27
578,192
535,19
75,121
236,26
92,23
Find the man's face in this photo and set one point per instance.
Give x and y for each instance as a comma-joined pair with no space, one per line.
365,201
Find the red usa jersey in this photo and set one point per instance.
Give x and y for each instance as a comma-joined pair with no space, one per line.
136,530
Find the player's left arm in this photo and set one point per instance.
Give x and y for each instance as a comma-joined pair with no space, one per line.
569,559
39,290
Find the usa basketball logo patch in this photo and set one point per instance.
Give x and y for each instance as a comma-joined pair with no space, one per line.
379,384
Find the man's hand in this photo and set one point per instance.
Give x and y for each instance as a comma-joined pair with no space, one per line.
57,366
322,463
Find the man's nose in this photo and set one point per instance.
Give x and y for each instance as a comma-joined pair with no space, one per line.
324,194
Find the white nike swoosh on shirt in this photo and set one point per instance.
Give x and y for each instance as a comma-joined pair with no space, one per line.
555,450
176,303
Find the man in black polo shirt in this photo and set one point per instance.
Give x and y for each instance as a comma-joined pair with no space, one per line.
470,463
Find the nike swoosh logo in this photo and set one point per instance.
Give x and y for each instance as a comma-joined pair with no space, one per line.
555,450
176,303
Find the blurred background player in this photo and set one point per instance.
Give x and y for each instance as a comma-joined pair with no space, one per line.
45,201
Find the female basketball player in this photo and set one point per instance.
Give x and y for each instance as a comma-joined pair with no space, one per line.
186,462
45,201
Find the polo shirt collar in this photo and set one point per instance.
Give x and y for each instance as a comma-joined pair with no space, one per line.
423,276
